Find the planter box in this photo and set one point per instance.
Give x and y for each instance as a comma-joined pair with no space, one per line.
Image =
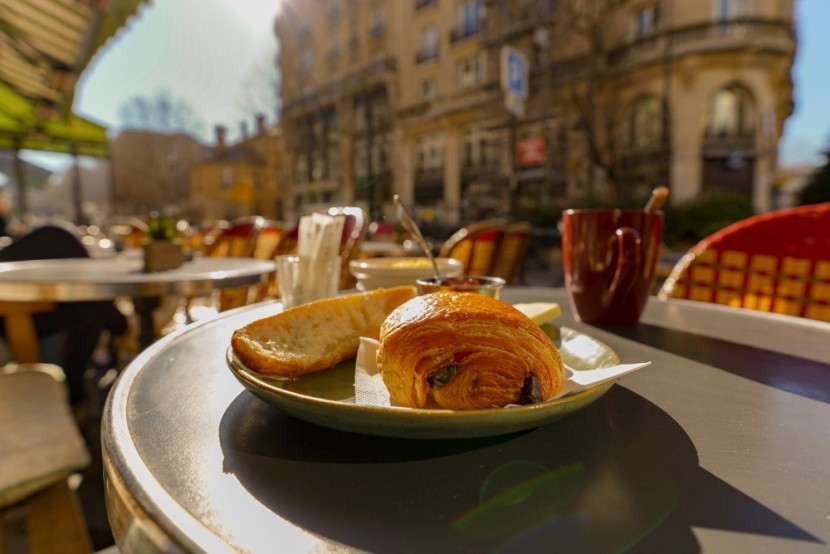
162,255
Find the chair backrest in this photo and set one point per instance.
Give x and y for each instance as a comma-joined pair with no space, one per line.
777,262
475,246
507,263
268,240
238,239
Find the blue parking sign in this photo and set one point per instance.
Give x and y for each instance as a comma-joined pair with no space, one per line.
514,71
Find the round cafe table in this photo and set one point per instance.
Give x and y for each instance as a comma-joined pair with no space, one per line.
719,445
105,278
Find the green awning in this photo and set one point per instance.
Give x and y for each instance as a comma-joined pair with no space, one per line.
22,129
45,45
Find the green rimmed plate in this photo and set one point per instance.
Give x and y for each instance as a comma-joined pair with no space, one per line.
327,398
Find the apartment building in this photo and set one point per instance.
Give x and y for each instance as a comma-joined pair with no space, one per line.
407,97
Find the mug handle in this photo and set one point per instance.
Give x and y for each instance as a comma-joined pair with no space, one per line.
629,265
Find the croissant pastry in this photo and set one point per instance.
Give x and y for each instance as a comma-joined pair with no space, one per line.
466,351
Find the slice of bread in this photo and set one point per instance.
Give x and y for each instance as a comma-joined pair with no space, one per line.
315,336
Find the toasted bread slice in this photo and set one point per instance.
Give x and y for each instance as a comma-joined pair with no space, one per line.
317,335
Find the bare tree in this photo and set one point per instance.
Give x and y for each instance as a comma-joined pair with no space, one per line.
161,113
260,91
590,94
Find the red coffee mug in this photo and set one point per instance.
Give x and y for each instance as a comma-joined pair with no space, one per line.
609,260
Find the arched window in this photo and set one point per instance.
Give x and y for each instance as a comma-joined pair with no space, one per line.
730,113
645,124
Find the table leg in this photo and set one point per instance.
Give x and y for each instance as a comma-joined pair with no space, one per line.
144,310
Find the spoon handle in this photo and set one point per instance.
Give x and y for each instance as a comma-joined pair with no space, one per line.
409,224
657,198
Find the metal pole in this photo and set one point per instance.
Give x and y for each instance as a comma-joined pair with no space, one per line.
76,187
21,181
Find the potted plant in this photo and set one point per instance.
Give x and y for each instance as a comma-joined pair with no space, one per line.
162,250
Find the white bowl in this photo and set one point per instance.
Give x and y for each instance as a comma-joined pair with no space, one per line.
396,271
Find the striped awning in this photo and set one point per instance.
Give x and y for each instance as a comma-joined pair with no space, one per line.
46,44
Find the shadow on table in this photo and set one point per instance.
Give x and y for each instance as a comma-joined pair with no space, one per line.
619,475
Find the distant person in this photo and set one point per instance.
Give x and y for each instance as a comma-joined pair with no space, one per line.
79,324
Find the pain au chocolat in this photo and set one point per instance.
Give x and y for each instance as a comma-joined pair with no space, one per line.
466,351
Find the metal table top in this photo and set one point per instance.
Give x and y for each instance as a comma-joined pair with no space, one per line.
81,279
720,445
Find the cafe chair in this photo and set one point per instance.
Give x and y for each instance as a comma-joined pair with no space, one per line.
272,235
354,232
509,258
777,262
475,246
490,247
40,448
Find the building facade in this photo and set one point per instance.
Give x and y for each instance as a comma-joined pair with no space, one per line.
384,97
240,179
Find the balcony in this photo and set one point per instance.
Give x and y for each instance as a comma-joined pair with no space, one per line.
461,32
739,34
421,4
422,56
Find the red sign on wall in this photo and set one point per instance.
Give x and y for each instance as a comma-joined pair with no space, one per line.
531,151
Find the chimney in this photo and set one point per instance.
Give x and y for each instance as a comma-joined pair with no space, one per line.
243,129
220,138
260,124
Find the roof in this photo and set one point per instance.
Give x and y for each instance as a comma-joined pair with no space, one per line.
238,154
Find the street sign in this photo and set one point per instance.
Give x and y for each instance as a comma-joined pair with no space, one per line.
514,72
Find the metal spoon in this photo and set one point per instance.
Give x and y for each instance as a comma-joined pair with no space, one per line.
409,224
657,198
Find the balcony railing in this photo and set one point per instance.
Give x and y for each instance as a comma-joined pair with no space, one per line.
460,32
714,36
422,56
421,4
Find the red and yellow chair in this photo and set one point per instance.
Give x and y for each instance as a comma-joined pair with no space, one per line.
777,262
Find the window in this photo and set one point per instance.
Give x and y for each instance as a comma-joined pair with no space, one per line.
378,22
359,116
469,19
429,90
469,72
731,113
429,45
308,62
361,159
647,21
430,150
302,168
730,9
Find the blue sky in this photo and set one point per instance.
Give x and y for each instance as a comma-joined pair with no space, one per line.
204,51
